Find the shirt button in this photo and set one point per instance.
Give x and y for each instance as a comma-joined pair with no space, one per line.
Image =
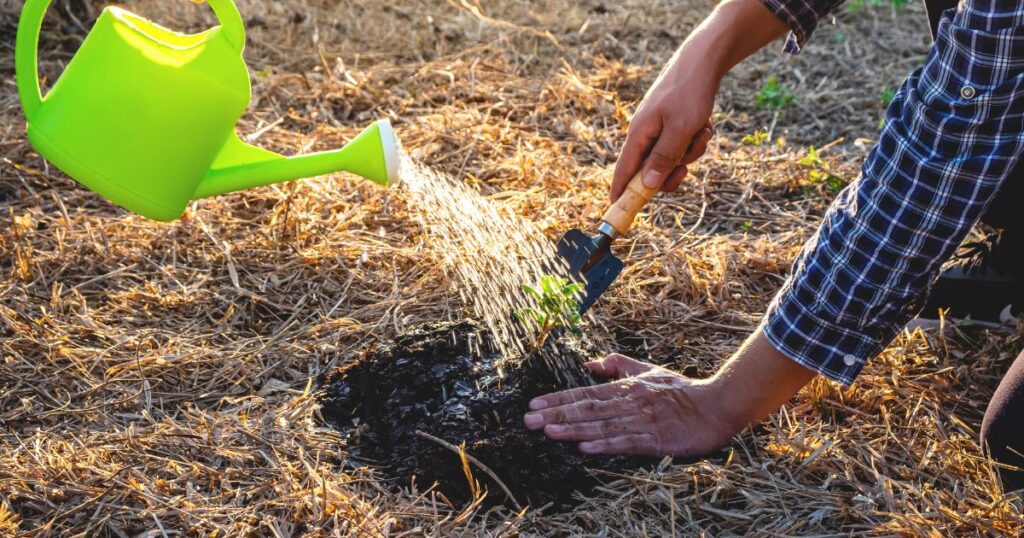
967,92
850,360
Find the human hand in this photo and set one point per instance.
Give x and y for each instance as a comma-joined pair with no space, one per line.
650,410
670,130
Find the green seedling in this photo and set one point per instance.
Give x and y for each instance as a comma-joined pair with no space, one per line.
812,159
773,95
888,94
756,138
555,306
858,5
821,172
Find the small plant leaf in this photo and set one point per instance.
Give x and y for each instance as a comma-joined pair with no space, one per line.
773,95
548,285
556,306
532,291
571,290
756,138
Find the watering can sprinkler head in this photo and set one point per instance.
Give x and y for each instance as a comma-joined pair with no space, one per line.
145,116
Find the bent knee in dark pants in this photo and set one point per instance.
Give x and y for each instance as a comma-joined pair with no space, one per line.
1002,431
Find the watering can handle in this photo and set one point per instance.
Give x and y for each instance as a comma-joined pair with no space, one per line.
31,22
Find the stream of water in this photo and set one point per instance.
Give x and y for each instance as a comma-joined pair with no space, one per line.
488,250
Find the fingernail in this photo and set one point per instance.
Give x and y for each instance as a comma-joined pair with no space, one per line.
652,179
588,447
533,420
537,404
554,428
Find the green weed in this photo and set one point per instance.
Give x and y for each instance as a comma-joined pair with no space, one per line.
756,138
859,5
821,172
773,95
888,94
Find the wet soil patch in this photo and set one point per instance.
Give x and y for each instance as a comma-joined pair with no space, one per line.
437,379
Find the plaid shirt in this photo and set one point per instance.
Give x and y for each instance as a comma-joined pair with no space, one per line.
951,135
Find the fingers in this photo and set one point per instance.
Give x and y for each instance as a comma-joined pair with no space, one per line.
675,179
643,444
663,160
597,429
605,391
665,155
619,366
642,134
699,144
580,411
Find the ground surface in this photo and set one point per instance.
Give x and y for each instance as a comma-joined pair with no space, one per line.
436,379
155,378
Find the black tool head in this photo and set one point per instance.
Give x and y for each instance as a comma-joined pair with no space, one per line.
591,262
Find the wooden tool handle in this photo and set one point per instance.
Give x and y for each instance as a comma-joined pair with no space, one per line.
621,214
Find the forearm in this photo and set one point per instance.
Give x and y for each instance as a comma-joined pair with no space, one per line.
734,30
756,381
671,127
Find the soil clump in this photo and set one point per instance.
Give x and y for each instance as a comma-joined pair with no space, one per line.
438,378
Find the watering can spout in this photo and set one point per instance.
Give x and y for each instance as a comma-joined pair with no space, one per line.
373,154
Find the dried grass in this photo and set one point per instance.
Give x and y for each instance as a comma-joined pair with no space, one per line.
154,379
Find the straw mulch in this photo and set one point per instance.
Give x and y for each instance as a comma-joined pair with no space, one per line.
155,378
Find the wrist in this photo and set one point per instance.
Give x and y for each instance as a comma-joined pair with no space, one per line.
696,66
734,30
755,382
729,407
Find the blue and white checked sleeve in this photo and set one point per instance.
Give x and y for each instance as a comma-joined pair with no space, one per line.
801,16
951,136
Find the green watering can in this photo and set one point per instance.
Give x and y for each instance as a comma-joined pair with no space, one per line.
145,116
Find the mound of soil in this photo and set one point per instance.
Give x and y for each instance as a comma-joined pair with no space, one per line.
435,379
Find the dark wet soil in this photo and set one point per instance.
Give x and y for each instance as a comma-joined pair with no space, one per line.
434,379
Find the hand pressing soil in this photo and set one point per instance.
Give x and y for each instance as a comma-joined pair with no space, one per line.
439,379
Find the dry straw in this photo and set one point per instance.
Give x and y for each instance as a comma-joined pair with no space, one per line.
154,379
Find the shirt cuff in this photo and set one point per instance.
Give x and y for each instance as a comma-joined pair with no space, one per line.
814,342
800,25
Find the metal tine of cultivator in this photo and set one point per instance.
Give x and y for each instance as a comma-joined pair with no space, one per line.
591,262
590,258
